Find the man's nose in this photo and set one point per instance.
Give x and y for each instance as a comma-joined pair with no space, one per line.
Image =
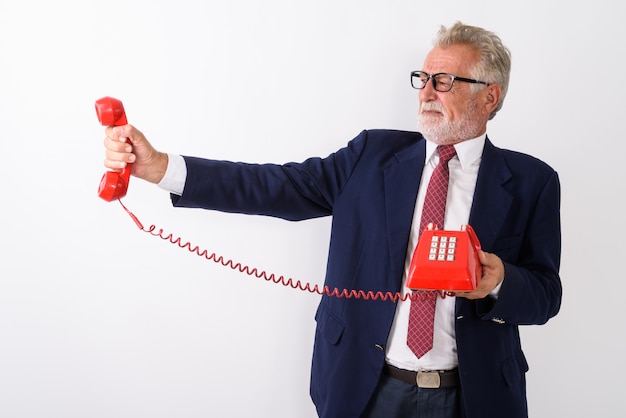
428,92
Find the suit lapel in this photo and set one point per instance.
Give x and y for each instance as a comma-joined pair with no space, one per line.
491,199
402,181
490,205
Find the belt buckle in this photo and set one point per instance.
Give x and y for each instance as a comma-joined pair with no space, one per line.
428,379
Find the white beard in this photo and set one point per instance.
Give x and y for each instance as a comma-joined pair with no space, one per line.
442,131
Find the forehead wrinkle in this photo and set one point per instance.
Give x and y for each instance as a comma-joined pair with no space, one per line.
453,59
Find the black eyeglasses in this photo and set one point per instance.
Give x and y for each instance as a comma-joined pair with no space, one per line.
441,81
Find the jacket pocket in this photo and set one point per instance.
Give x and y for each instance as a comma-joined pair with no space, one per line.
514,368
328,326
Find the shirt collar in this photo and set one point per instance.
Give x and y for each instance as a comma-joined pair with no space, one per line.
468,151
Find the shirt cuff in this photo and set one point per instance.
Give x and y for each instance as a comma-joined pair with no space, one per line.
496,291
175,175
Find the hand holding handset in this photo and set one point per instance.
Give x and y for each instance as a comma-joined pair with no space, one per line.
114,184
446,260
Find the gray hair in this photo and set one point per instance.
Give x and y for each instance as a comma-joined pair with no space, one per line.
494,65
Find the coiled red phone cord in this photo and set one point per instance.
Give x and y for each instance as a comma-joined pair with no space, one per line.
270,277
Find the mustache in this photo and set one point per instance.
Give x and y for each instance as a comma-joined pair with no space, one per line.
432,106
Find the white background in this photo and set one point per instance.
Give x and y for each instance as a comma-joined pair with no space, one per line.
98,319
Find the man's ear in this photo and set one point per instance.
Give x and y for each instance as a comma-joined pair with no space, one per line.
493,93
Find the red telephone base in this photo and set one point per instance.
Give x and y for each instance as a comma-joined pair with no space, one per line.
446,260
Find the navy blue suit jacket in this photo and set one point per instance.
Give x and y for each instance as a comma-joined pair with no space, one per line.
370,188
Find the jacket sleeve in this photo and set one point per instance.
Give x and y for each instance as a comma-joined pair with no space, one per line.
292,191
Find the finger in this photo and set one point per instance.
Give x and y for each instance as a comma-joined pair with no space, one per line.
115,165
117,146
120,133
485,258
118,160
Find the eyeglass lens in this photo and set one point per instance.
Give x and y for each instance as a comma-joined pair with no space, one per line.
441,82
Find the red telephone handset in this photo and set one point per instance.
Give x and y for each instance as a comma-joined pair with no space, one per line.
114,184
446,260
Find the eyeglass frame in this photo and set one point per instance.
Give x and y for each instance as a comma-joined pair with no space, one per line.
431,77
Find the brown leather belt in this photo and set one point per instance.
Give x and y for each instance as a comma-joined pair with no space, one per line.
424,379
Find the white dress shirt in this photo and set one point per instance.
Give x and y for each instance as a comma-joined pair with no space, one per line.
175,175
463,174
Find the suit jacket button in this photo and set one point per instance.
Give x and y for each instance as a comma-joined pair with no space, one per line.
498,320
379,347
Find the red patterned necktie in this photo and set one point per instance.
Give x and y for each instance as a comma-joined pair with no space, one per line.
422,313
